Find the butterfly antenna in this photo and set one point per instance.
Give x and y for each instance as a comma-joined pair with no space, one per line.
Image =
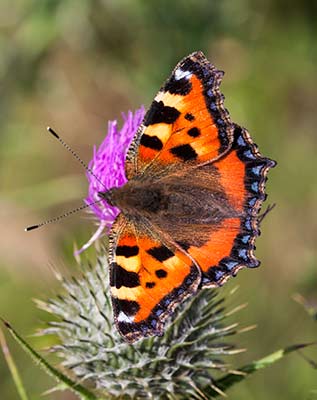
265,212
66,214
75,155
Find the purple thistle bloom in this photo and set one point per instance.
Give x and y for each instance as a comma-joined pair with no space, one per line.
108,165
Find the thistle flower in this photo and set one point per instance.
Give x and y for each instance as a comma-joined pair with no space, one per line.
108,165
182,364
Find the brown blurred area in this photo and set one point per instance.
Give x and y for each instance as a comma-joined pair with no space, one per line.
74,65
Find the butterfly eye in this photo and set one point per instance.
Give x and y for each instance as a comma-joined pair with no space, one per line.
106,196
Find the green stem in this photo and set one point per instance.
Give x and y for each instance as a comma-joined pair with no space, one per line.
12,367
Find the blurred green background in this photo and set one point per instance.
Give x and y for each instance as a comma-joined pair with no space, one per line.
75,64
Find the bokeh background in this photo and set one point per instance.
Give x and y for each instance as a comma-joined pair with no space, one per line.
75,64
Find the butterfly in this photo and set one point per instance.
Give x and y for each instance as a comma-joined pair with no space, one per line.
189,212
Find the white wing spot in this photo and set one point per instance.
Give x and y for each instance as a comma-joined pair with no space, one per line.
180,74
122,317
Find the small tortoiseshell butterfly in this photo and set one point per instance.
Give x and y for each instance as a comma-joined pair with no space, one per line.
190,209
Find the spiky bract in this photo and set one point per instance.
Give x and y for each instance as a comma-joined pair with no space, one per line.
178,365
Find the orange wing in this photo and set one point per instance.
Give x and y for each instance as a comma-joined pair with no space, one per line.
186,122
147,279
230,246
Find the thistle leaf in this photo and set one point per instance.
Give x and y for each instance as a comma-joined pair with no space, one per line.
231,379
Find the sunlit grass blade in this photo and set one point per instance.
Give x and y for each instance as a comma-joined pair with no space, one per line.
309,305
78,389
12,367
231,379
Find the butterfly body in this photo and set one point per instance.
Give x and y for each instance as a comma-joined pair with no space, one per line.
189,211
179,199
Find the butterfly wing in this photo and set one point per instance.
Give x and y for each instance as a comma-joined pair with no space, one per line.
229,245
147,279
186,122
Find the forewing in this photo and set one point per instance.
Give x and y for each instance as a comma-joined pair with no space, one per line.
187,121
